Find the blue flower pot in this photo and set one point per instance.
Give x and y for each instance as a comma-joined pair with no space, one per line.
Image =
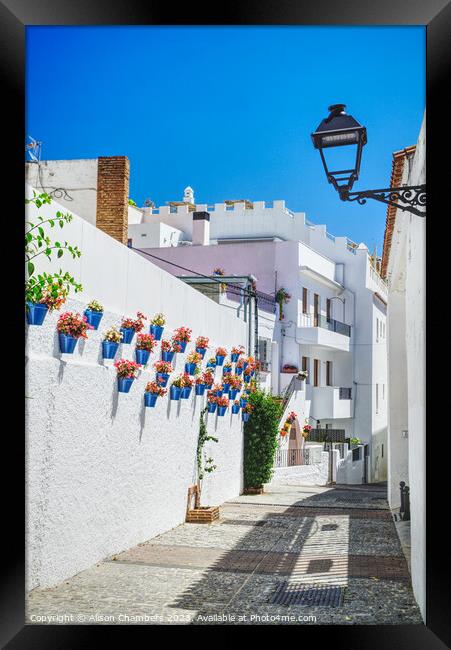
245,416
226,389
252,373
247,379
190,368
94,317
182,344
167,356
124,384
67,343
235,409
127,334
200,389
227,371
233,393
109,349
234,357
211,407
36,312
218,393
245,365
142,356
222,410
219,360
150,399
186,392
162,378
243,402
156,331
211,365
175,392
238,371
201,351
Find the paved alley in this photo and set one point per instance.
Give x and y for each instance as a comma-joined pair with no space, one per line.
299,555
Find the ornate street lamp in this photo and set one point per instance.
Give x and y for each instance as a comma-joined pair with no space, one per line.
342,130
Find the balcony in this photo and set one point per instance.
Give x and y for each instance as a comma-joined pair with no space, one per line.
324,332
331,402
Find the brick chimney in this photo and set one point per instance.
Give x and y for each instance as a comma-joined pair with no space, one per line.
201,228
113,173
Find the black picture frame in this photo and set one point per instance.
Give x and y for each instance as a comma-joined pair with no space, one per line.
15,15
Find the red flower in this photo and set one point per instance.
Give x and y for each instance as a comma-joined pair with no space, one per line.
126,369
73,324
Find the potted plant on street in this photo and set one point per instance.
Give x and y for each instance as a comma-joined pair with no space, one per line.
246,412
221,354
211,401
187,386
111,339
306,430
127,372
71,327
153,390
211,363
282,298
145,344
168,350
236,406
202,345
94,313
131,325
235,353
157,326
192,361
223,403
182,336
164,369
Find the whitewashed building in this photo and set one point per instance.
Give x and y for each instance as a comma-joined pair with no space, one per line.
403,264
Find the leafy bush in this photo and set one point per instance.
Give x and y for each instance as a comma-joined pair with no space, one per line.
260,439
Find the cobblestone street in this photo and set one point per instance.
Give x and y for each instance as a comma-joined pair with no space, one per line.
229,571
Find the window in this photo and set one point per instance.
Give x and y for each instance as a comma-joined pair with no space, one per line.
382,450
316,377
316,308
264,353
383,391
304,300
328,308
328,373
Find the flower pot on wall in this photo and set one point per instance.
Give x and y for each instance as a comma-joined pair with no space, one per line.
211,407
175,392
239,371
150,399
186,392
190,368
227,371
234,357
167,356
226,389
94,317
109,349
211,365
245,416
182,345
142,356
235,409
124,384
67,343
222,410
233,393
162,378
156,331
127,334
243,401
36,313
219,360
200,389
201,351
218,393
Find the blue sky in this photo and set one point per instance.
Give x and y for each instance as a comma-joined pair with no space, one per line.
229,110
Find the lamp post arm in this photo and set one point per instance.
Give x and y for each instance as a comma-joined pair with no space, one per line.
408,198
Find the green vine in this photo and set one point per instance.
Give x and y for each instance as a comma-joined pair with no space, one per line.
207,466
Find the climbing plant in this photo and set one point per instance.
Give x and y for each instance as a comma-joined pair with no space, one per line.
204,465
261,439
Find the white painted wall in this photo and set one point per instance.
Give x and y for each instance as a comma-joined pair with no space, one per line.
406,272
104,473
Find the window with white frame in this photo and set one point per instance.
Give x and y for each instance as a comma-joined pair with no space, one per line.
264,353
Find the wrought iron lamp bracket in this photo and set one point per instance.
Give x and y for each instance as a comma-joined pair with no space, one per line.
408,198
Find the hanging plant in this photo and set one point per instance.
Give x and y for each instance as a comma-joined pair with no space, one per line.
220,272
282,298
152,391
202,345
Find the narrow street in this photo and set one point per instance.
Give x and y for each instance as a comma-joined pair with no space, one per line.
341,538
